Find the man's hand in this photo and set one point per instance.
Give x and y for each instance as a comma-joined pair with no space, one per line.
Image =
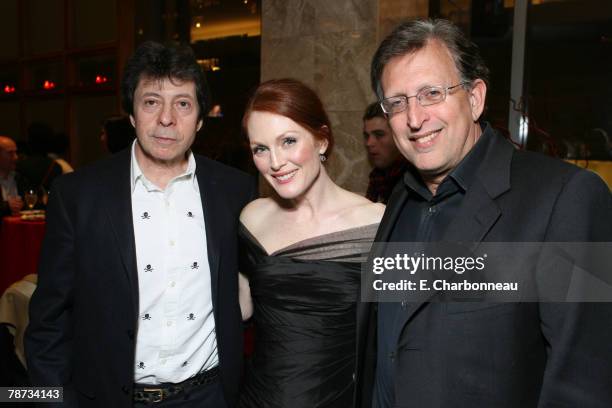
15,204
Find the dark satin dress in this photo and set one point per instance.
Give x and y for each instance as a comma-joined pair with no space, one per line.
304,299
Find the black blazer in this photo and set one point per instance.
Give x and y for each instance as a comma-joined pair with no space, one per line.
514,355
84,313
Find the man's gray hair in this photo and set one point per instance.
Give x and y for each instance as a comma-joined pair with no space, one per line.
414,35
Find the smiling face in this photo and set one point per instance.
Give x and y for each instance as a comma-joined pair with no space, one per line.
378,140
166,121
433,138
285,153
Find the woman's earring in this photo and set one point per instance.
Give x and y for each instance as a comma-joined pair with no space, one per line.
322,157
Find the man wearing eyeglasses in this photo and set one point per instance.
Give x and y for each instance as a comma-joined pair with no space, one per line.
468,184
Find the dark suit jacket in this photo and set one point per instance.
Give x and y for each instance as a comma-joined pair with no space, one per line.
84,313
515,355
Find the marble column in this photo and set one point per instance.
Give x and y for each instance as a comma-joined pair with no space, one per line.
328,44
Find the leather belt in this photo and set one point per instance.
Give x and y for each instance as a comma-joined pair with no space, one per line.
149,394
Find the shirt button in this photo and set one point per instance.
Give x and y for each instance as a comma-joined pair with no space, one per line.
404,303
169,323
167,203
392,356
171,242
172,284
163,362
432,210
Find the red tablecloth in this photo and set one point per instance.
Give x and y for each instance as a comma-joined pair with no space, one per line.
20,243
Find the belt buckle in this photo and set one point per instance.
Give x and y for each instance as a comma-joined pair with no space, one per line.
159,391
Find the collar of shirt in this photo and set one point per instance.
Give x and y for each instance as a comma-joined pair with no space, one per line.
136,174
461,176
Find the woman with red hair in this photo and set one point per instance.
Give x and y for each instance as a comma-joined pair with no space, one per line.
302,249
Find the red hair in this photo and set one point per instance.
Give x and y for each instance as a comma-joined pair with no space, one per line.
294,100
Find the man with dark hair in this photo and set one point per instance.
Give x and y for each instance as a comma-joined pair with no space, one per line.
137,299
470,185
389,165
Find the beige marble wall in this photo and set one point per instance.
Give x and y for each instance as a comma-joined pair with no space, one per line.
393,12
328,44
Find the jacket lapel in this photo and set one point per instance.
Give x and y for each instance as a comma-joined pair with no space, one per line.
118,206
479,210
477,215
364,309
207,184
392,212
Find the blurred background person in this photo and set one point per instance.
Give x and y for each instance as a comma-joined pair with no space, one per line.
57,151
11,183
221,139
389,165
117,133
36,167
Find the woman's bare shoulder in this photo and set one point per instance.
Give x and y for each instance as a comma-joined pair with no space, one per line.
257,212
362,211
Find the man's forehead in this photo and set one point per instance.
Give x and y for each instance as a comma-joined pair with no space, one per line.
376,123
164,83
427,65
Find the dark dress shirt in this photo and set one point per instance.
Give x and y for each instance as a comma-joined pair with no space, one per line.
424,218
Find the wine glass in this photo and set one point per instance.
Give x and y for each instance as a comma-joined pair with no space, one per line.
31,197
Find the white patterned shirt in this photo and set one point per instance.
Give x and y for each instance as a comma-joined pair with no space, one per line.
176,331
